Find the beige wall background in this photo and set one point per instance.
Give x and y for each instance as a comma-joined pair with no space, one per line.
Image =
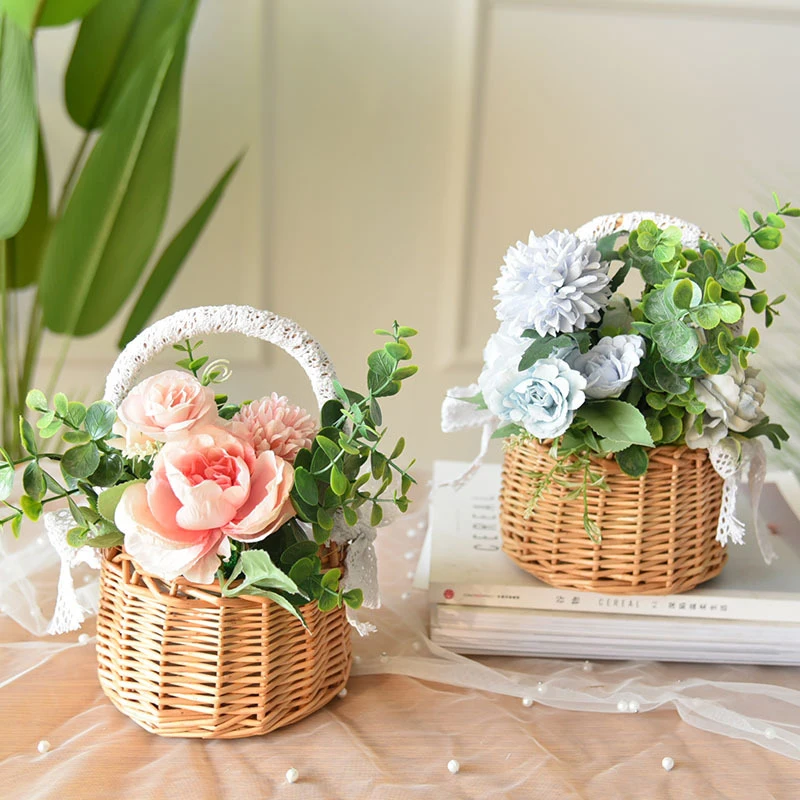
395,148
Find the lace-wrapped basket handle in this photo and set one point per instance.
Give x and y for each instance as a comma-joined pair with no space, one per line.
204,320
609,223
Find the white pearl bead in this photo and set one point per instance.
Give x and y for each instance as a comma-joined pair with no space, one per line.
292,775
770,733
421,524
356,659
587,666
87,578
411,533
410,574
453,766
622,706
633,706
409,555
384,658
527,702
668,763
43,746
541,688
83,638
405,595
343,693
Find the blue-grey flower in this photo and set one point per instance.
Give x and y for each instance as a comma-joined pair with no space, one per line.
542,399
610,365
554,284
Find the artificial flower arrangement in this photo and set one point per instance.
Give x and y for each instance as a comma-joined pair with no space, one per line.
580,377
194,485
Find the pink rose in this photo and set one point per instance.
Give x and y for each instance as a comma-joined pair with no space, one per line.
203,489
167,406
272,424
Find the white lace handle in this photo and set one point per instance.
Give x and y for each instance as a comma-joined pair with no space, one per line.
609,223
204,320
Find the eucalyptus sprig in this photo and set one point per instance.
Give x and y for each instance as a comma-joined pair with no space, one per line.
333,475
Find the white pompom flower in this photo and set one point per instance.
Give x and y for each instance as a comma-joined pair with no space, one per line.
541,399
553,284
610,365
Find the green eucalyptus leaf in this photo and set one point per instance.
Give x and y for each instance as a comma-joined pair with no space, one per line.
350,516
745,220
298,551
339,482
36,400
376,515
76,437
100,245
672,428
6,481
76,413
33,481
172,259
759,301
768,238
706,317
105,540
633,461
353,598
685,293
27,436
108,500
676,341
616,420
100,418
730,312
733,280
19,126
306,486
109,470
30,507
81,461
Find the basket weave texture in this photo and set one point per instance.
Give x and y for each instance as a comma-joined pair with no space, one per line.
180,660
658,531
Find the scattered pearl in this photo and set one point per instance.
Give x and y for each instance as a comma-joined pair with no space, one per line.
770,733
356,659
421,525
343,693
416,646
40,540
410,574
405,595
411,533
587,666
623,706
527,702
633,706
453,766
43,746
541,688
292,775
384,658
87,578
668,763
83,638
409,555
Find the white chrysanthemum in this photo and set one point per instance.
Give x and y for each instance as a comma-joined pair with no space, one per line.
542,399
610,365
554,284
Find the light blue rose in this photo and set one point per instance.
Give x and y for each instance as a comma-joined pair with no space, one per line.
610,365
542,399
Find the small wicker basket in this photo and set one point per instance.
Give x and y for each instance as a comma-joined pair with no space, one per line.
658,531
181,660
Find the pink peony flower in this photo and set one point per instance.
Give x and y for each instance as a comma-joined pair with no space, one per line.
204,489
272,424
164,407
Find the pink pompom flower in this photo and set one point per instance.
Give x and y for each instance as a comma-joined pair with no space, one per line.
273,424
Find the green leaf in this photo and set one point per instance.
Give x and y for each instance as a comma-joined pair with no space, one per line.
397,350
100,418
109,470
298,551
745,220
27,436
378,463
542,348
672,428
303,568
76,437
376,516
768,238
6,480
676,341
706,317
775,221
733,280
113,41
306,486
616,420
81,461
36,400
381,366
398,449
633,461
100,245
756,264
339,482
663,253
76,537
655,400
406,332
403,373
350,516
658,306
30,507
284,604
685,293
759,301
54,13
33,481
28,244
730,312
108,500
353,598
508,430
172,259
324,519
19,126
61,403
257,569
330,580
109,539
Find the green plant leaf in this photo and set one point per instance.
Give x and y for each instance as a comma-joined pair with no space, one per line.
109,539
33,481
76,413
616,420
108,500
768,238
353,598
99,247
6,480
542,348
633,461
31,508
81,461
676,341
258,569
306,486
36,400
297,551
113,41
172,259
339,482
109,471
685,293
706,317
19,126
54,13
100,418
27,436
29,242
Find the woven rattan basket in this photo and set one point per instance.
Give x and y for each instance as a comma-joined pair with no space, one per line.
179,659
658,531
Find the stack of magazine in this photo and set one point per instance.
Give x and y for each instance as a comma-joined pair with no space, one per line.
482,603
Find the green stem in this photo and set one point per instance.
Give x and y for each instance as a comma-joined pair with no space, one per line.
44,502
59,365
32,345
73,170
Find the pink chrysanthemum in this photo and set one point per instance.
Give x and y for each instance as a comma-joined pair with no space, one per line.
272,424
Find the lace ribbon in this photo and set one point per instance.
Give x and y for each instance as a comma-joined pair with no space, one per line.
729,460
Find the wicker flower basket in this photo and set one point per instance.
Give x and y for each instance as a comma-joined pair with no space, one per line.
658,531
178,658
